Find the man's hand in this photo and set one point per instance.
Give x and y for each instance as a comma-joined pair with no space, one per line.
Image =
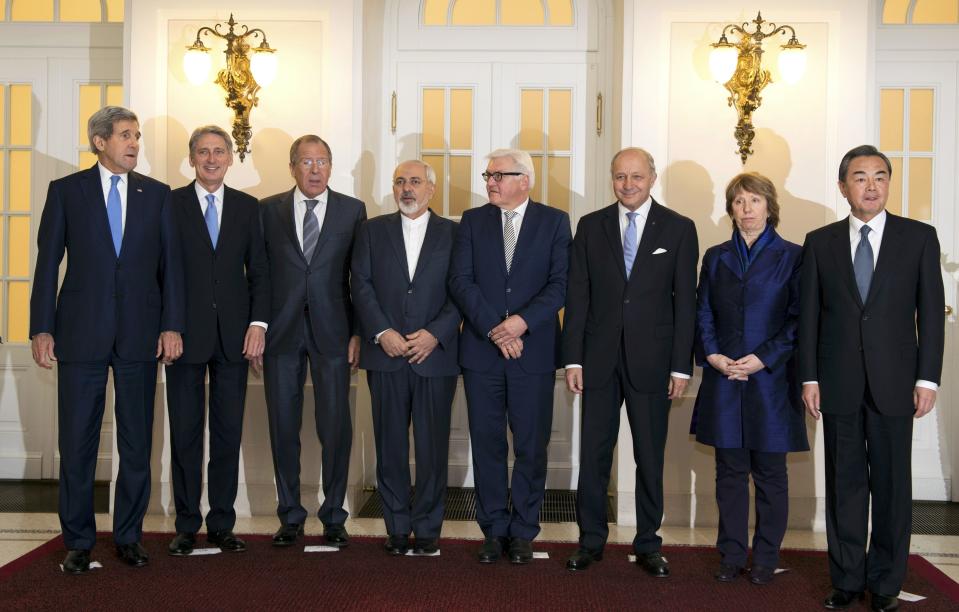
923,399
511,349
353,353
677,386
393,344
511,328
169,347
574,380
256,364
746,366
254,342
421,344
42,346
810,397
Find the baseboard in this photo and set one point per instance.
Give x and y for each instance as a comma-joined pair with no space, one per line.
21,466
687,510
255,499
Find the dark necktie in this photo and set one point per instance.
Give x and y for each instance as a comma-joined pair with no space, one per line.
311,230
862,263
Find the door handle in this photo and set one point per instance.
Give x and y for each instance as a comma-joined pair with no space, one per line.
948,310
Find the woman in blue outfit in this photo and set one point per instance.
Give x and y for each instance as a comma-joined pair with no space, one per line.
749,405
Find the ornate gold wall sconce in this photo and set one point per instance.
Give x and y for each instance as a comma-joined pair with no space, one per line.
739,67
241,78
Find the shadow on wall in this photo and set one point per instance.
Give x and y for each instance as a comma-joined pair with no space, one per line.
270,156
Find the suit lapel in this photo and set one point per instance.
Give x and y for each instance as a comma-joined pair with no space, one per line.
611,227
648,240
429,243
286,218
134,218
228,218
731,260
843,257
197,223
767,258
526,235
329,219
494,228
888,254
394,231
93,192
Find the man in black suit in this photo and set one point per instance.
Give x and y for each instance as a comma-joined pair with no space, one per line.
411,329
309,234
871,335
227,309
120,307
630,317
508,277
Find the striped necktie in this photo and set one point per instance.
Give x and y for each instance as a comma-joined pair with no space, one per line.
311,230
509,237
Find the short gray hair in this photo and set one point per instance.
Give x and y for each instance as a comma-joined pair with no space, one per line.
312,139
428,169
519,158
643,152
216,130
101,122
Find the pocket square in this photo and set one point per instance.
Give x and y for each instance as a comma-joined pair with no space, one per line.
659,251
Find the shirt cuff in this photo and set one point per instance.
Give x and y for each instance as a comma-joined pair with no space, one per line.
927,384
260,324
572,365
376,338
810,382
680,375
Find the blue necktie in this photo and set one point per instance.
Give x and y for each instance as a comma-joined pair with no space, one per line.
629,243
211,223
862,263
115,214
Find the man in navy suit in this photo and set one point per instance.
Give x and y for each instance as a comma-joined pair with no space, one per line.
411,331
227,309
309,234
121,306
508,277
628,336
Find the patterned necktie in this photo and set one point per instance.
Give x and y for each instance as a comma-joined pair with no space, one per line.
115,214
212,225
311,230
862,263
509,237
629,243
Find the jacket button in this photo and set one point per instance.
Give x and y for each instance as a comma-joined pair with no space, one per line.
508,290
865,317
409,291
626,301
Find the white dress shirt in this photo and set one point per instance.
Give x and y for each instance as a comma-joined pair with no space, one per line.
517,220
121,187
642,213
877,224
299,209
414,233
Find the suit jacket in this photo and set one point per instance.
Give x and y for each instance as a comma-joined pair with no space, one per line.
741,313
227,287
107,302
533,289
385,296
322,285
893,339
654,312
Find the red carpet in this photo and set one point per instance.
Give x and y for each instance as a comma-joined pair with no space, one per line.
363,577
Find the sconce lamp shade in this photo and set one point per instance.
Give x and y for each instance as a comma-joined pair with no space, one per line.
196,65
263,66
792,63
722,61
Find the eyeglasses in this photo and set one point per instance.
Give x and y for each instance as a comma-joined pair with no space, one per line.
307,164
498,176
413,182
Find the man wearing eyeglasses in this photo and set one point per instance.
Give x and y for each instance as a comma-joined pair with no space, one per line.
411,331
508,277
309,234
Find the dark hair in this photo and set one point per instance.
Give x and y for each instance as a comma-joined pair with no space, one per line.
861,151
753,182
310,138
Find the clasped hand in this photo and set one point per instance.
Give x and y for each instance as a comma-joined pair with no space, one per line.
415,347
736,369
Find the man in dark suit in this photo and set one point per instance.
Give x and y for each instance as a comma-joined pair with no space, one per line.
629,327
309,234
411,329
120,307
227,309
871,335
508,277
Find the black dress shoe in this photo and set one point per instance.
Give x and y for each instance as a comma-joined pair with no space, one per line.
287,534
492,549
582,558
226,540
883,603
425,546
654,564
77,562
840,599
760,574
727,572
133,555
520,551
182,544
397,544
335,535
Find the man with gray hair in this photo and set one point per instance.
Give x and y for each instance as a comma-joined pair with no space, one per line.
227,309
508,277
121,306
410,329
